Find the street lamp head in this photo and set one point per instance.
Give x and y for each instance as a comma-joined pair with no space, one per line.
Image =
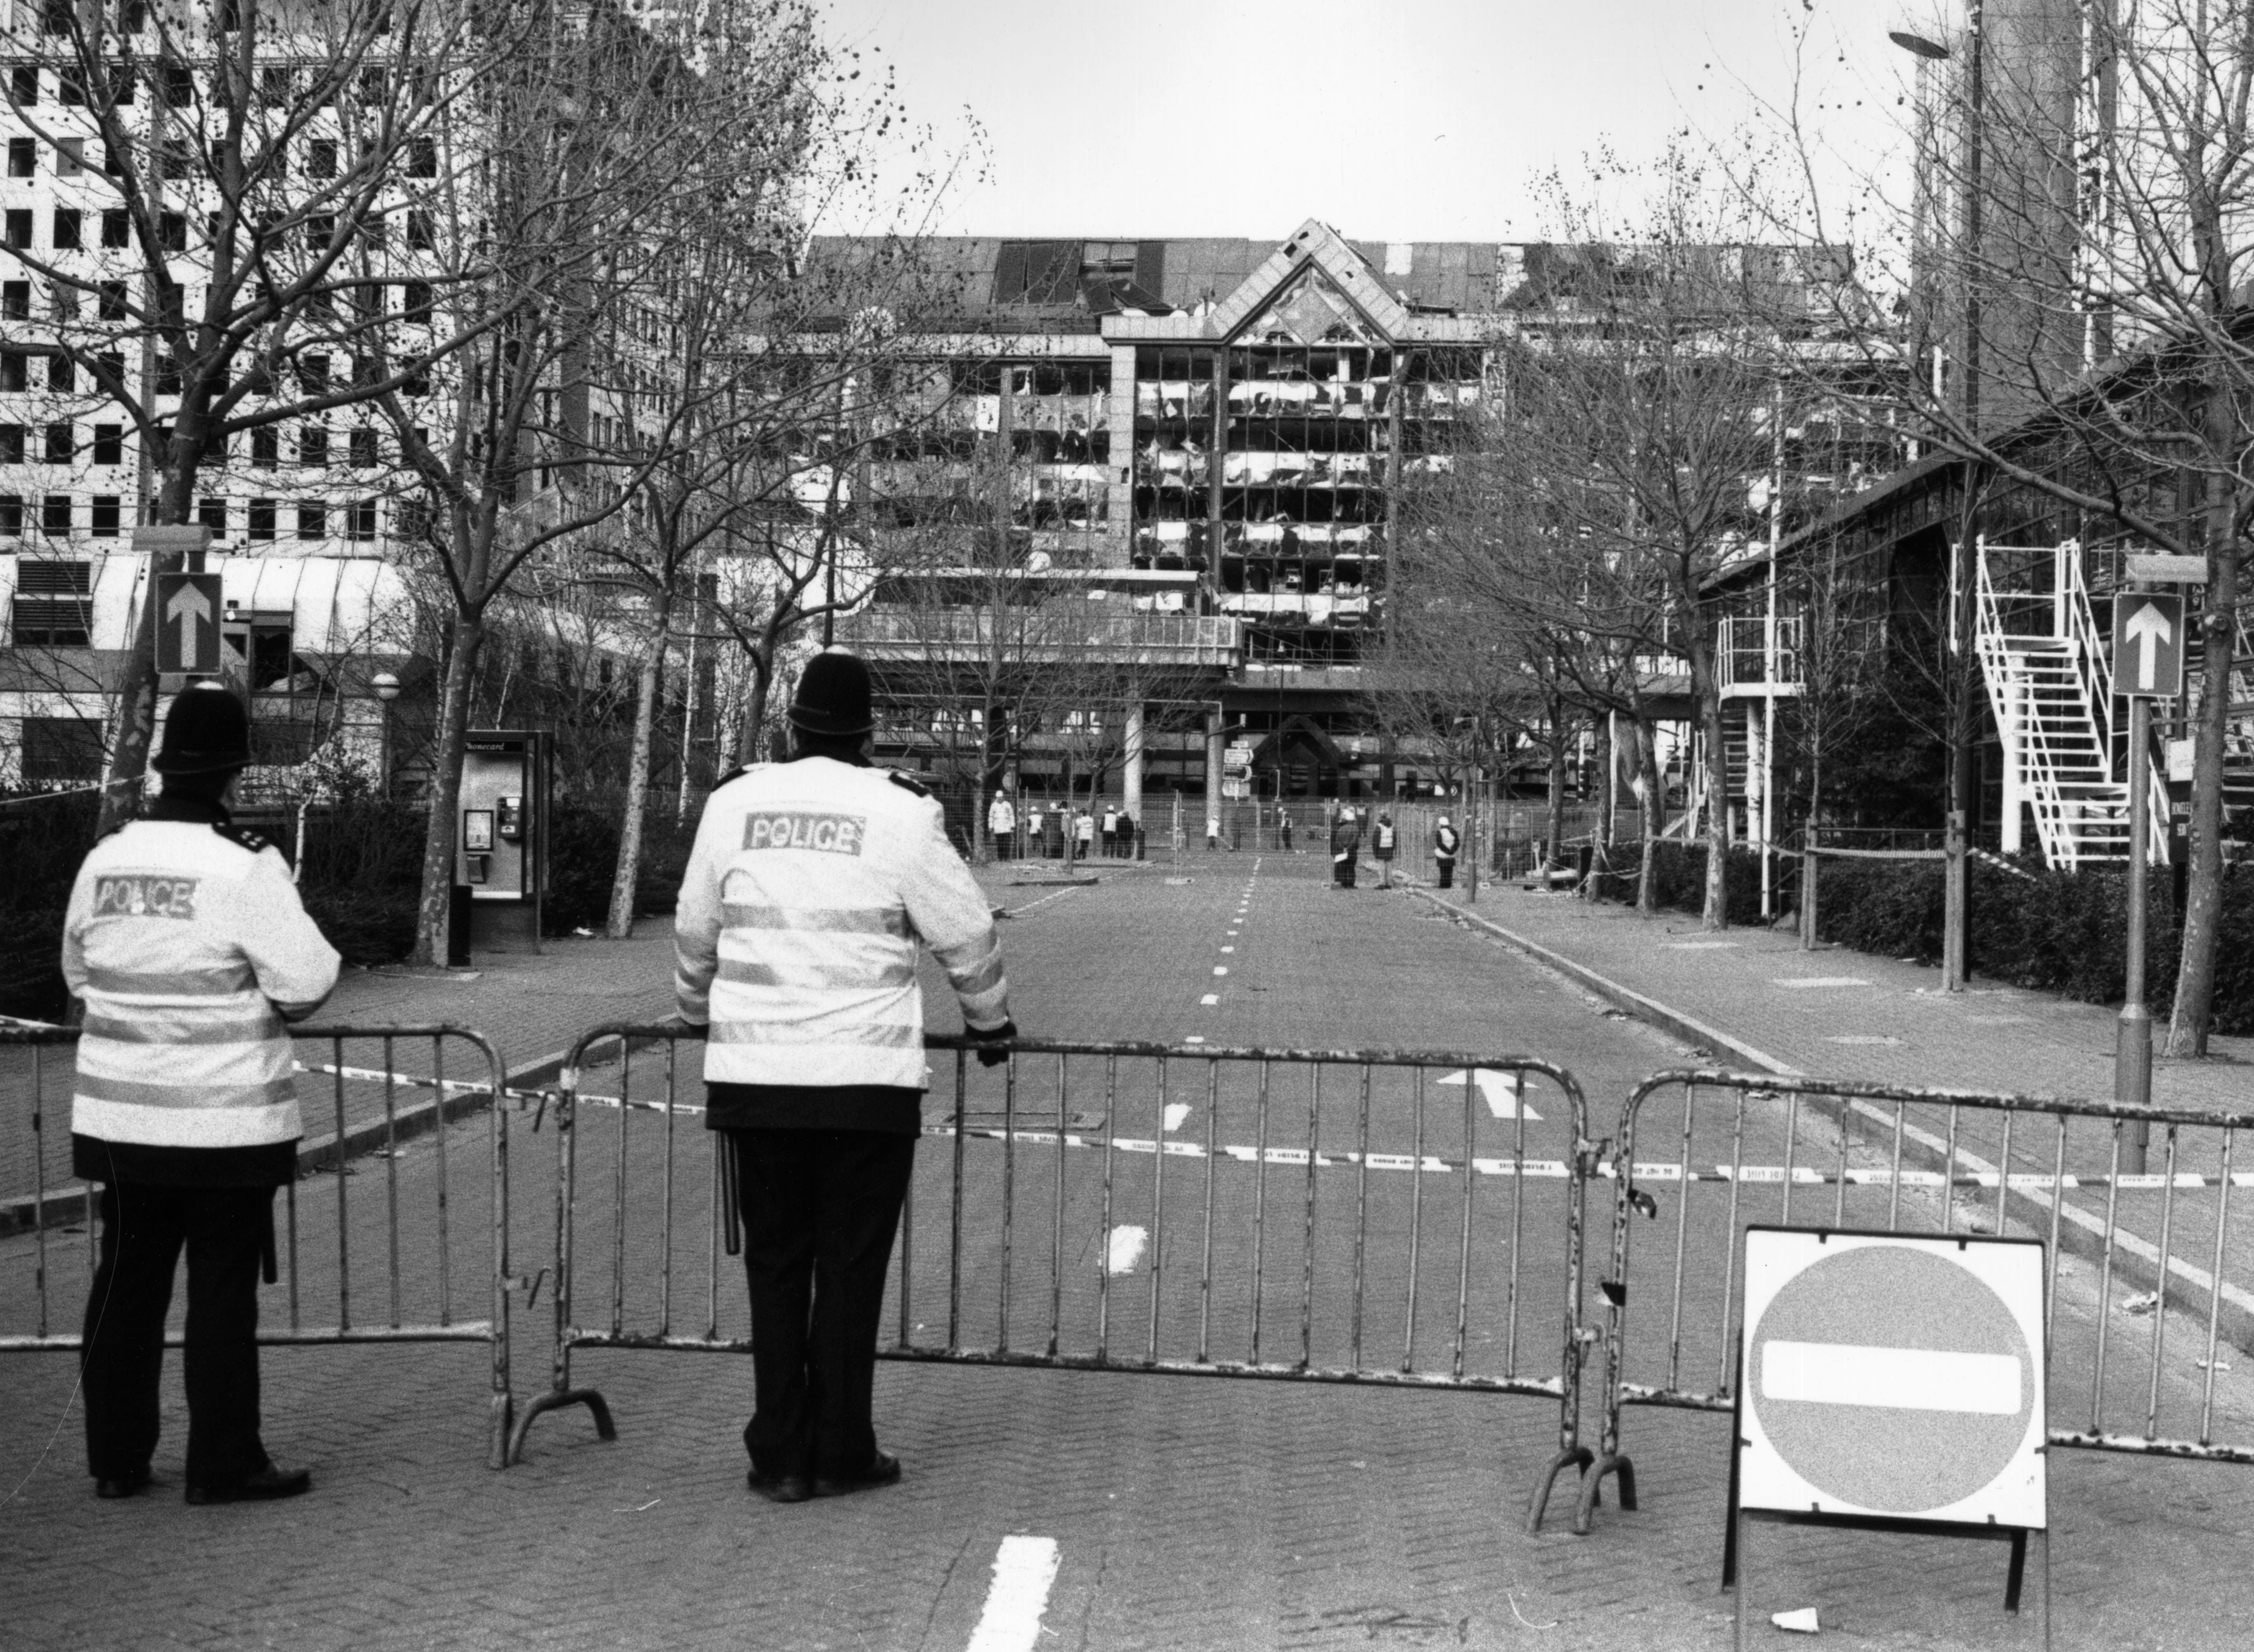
1918,45
384,686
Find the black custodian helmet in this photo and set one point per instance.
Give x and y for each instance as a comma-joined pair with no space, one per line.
206,732
833,697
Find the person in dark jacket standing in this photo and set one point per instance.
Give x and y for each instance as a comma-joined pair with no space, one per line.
186,941
1445,843
1346,844
809,885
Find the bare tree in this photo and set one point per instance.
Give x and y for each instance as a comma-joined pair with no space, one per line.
2076,265
567,228
254,168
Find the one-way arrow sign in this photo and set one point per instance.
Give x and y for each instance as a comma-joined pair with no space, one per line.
187,623
2148,646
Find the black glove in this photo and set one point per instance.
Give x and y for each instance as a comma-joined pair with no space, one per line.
990,1039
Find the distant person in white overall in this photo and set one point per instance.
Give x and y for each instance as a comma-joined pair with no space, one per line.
1001,824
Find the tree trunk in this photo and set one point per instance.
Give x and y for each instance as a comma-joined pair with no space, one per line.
1715,912
1608,805
628,869
2195,1000
1655,818
1475,794
1556,826
448,741
137,688
755,702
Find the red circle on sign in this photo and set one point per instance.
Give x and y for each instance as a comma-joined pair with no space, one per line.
1890,1459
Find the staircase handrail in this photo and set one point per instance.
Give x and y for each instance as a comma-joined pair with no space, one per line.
2044,793
2093,666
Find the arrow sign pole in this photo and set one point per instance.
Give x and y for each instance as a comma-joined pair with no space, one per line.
2148,633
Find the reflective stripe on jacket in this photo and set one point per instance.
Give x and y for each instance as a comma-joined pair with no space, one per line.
809,885
1444,841
190,950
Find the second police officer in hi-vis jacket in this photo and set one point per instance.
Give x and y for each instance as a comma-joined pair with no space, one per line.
187,943
810,886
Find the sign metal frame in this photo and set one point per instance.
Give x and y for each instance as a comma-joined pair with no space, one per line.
1961,1517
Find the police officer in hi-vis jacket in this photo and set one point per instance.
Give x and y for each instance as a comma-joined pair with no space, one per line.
188,945
810,886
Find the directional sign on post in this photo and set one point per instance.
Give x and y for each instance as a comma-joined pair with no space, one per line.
1893,1377
187,623
2148,646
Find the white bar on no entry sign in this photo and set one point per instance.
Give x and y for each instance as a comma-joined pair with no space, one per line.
1023,1570
1906,1379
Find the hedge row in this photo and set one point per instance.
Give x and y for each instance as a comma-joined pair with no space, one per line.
2054,931
363,867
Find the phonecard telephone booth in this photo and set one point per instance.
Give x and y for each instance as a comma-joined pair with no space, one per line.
500,845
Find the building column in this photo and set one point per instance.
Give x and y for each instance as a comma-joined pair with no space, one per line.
1130,773
1212,746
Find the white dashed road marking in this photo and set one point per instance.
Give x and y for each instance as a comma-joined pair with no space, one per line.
1821,981
1220,968
1210,999
1025,1570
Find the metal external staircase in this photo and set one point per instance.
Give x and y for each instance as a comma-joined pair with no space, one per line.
2049,679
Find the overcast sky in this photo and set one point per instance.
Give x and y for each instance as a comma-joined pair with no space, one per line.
1393,119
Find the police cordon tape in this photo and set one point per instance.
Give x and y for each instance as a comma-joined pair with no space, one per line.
1552,1169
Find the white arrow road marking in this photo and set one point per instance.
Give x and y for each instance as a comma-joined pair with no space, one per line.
190,607
1025,1569
1501,1090
1177,1111
1125,1250
1905,1379
2149,632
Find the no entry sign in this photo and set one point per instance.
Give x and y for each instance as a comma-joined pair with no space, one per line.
1893,1377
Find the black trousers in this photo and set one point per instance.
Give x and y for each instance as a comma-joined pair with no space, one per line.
144,1229
820,1211
1344,870
1447,865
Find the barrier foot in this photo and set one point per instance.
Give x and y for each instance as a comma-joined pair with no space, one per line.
501,1421
1593,1488
1579,1457
554,1400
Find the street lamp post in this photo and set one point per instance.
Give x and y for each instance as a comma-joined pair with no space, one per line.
1962,570
385,687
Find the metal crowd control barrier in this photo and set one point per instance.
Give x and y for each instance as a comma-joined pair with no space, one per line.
1258,1211
359,1111
1742,1148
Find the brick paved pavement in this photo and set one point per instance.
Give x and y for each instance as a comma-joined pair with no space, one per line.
1188,1512
1886,1020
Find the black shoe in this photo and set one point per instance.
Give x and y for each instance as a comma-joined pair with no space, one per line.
268,1483
781,1488
128,1485
884,1469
